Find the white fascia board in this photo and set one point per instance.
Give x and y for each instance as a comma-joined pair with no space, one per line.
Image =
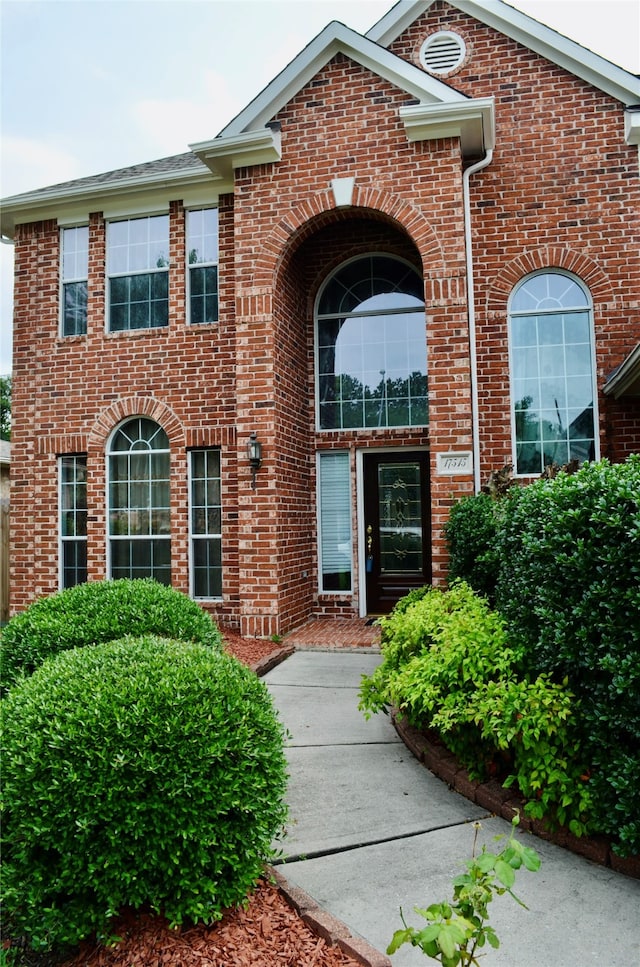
224,155
337,39
473,122
626,379
139,195
536,36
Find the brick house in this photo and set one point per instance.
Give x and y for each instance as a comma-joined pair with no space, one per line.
221,359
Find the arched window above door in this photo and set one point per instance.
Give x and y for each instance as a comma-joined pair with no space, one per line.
371,359
552,372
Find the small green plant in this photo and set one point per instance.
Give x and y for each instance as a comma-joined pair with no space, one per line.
137,772
455,931
95,612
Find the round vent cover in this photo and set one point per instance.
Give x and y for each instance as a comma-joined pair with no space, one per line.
441,52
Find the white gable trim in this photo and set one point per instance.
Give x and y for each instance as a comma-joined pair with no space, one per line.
337,39
473,122
560,50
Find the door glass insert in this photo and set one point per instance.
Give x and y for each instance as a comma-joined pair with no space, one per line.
400,515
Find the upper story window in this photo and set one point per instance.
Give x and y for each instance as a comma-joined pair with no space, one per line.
75,268
138,270
371,355
202,259
552,372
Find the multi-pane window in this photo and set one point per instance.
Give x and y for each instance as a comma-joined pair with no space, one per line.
75,267
552,372
139,511
72,472
138,269
206,524
334,512
202,259
371,346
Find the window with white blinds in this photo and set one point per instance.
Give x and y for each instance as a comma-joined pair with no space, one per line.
334,487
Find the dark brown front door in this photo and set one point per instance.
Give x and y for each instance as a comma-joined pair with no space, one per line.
397,527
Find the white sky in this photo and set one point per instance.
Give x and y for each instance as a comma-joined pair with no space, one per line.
92,85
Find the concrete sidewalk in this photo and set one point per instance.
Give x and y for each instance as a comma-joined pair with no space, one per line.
372,830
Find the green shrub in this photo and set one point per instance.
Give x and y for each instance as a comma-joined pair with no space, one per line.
449,667
569,590
144,771
471,533
95,612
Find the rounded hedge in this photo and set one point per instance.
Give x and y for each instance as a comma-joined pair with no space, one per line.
142,771
99,611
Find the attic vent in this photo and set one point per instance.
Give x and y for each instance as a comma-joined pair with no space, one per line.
441,52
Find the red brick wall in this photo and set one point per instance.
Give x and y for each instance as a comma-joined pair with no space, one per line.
559,192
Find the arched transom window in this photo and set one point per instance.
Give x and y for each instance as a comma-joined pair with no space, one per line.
139,514
371,346
552,372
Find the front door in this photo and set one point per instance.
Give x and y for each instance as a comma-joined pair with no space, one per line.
397,526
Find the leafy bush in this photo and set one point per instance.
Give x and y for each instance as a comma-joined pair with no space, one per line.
448,666
569,591
95,612
144,771
471,533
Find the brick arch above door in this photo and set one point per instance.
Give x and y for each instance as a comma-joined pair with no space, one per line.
302,221
131,406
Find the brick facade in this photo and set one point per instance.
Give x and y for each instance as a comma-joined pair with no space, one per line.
560,192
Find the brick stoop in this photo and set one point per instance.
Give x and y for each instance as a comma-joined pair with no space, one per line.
492,796
327,926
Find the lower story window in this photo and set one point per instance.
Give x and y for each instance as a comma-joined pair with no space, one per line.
334,510
139,505
72,472
206,524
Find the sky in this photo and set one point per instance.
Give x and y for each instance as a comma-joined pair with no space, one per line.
88,86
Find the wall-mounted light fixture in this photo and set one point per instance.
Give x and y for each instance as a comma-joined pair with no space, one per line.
254,456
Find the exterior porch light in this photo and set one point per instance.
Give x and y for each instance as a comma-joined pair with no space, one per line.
254,456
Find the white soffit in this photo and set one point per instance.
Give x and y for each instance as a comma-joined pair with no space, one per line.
473,122
625,381
560,50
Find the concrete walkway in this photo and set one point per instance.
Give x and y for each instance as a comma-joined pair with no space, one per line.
372,830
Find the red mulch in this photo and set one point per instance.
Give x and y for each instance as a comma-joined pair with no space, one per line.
269,933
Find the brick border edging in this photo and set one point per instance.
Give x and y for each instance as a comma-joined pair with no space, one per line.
271,661
325,925
429,750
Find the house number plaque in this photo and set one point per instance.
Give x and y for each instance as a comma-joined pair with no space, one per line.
457,462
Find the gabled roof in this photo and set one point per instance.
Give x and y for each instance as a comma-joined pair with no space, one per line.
524,29
433,110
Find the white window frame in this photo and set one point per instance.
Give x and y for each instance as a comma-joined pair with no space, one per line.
324,455
64,539
194,537
587,307
73,279
131,273
110,538
204,264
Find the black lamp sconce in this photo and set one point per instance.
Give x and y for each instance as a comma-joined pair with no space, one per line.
254,456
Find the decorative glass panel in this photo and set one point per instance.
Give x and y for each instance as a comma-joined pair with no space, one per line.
552,377
335,521
400,515
371,347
